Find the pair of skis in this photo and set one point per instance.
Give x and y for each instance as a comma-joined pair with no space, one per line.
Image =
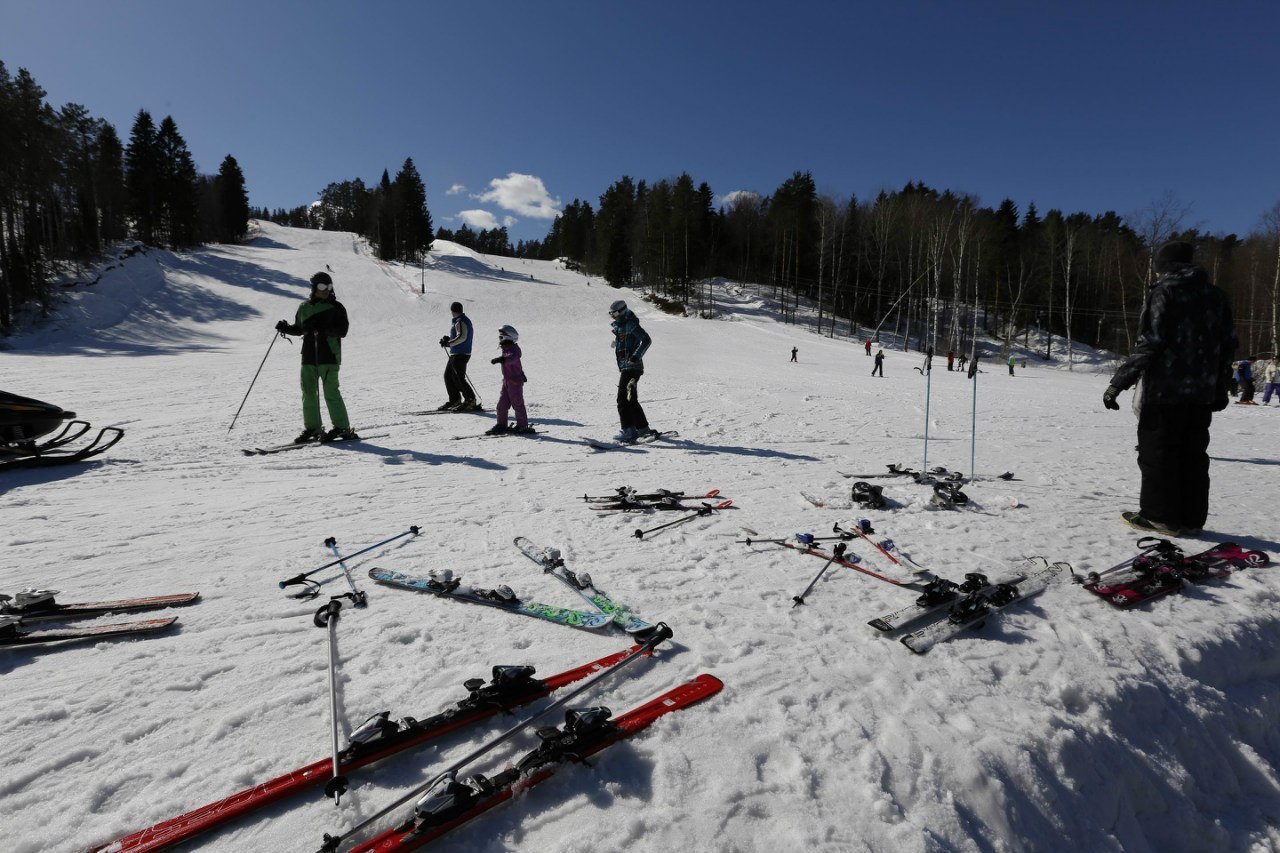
966,605
1161,568
299,445
628,500
444,584
30,607
379,738
650,438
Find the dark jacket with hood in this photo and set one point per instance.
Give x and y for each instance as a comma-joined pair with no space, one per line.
1186,340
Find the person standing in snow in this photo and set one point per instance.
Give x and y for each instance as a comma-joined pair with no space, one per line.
1271,376
794,350
1012,361
867,347
951,360
1245,370
322,323
1186,340
879,365
513,379
630,343
462,396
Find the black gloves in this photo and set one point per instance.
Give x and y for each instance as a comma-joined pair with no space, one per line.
1109,397
444,341
497,360
282,326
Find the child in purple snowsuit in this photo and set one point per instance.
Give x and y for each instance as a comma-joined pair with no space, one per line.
513,379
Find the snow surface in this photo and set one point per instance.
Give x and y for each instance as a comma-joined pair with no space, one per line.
1063,725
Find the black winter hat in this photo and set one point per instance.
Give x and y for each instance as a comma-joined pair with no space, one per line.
456,307
1172,256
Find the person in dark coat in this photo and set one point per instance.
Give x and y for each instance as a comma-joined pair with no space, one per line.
630,343
879,363
1186,340
462,396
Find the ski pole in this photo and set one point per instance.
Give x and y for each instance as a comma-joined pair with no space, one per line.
360,599
255,378
928,384
327,617
802,538
706,509
652,637
303,578
837,553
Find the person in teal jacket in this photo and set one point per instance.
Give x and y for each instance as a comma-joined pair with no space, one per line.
322,323
630,343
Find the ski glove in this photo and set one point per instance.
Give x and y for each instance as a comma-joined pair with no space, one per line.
282,326
1109,397
444,341
497,360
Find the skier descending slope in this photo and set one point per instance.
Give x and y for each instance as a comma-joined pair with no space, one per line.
322,322
630,343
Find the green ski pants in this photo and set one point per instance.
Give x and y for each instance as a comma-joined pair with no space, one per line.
326,376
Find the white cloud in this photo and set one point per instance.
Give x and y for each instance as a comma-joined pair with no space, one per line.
509,221
727,200
478,218
456,189
522,194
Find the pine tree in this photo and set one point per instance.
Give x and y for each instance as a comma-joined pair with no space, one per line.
233,201
142,177
179,187
109,181
413,221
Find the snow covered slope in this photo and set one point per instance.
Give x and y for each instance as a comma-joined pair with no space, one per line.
1062,725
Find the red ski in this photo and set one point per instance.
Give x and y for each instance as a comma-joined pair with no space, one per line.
11,633
1159,573
585,733
45,608
388,738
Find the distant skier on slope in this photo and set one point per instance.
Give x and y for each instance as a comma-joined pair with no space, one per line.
630,343
513,379
1186,340
879,363
794,350
322,323
462,396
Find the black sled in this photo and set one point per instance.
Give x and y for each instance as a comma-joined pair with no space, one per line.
24,420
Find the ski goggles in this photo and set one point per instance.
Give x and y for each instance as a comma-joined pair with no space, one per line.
322,287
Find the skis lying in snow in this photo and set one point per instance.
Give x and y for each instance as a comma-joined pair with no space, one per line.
12,633
604,444
628,493
510,433
1162,569
445,585
46,455
425,412
975,608
581,583
641,503
451,803
281,448
38,605
377,739
806,543
940,594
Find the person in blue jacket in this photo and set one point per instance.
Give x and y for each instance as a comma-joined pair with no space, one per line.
630,343
462,396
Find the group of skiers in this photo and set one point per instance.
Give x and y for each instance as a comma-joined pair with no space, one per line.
1242,381
322,323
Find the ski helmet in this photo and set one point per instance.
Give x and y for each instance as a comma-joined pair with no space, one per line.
617,308
322,281
508,333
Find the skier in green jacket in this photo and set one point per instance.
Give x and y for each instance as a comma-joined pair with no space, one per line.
322,323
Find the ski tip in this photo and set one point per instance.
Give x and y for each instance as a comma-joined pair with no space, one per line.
880,625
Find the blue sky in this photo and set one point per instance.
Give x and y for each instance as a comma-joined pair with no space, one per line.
1089,106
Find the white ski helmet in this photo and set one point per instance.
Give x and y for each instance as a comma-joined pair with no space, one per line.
508,333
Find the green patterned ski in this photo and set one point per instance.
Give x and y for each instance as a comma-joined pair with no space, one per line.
580,582
445,585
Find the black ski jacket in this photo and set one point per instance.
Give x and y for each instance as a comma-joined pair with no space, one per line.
1186,340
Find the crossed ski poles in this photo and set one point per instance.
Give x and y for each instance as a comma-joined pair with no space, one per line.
837,552
652,638
706,509
313,587
360,599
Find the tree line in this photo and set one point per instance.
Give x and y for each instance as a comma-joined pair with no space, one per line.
934,267
69,188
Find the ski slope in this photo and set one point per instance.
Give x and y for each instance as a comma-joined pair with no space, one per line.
1063,724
